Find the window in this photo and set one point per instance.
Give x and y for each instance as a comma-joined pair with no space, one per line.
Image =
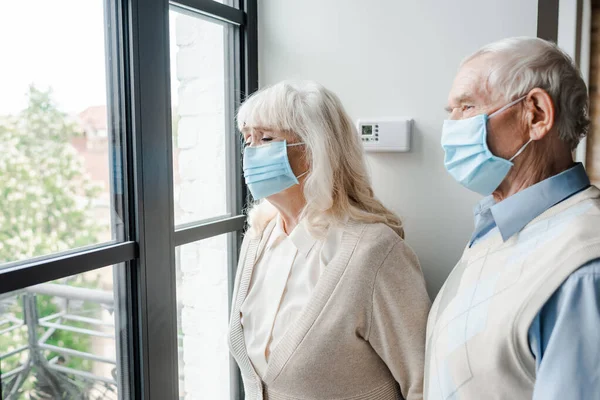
202,76
59,338
207,196
202,295
55,170
122,195
592,156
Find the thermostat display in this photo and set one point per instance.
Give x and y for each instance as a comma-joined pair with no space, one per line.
367,130
385,134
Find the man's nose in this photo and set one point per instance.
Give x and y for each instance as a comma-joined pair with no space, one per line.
455,114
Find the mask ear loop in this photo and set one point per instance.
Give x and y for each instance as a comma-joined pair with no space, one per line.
512,103
509,105
522,149
302,174
298,144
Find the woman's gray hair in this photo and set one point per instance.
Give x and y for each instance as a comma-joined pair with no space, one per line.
521,64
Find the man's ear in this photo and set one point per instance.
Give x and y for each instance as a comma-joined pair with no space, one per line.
540,113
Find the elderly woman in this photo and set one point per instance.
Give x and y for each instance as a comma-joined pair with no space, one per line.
329,301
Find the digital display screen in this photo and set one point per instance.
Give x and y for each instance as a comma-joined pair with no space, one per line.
367,130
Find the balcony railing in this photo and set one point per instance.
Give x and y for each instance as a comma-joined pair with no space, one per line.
42,370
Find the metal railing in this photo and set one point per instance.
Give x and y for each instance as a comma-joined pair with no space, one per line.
42,368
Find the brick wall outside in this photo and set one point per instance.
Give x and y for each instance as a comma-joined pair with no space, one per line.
200,193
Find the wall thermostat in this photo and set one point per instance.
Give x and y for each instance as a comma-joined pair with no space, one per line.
385,134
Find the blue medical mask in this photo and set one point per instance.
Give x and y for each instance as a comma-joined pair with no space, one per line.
267,169
468,158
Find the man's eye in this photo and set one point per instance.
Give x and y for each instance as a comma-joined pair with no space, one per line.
467,107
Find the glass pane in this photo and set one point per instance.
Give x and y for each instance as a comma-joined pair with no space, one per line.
202,318
57,340
55,173
199,91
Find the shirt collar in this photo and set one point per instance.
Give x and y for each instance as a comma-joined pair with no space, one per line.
300,237
513,213
482,209
484,220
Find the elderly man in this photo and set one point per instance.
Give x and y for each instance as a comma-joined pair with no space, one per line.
519,316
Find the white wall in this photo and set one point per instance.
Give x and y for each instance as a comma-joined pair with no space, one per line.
395,58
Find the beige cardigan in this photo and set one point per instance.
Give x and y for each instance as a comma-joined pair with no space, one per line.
362,333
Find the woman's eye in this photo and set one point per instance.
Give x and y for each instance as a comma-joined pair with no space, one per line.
267,139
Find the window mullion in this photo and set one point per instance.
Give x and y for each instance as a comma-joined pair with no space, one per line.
153,204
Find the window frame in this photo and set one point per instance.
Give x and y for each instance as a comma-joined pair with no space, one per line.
138,81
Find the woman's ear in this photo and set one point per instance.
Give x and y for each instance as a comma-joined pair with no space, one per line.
540,113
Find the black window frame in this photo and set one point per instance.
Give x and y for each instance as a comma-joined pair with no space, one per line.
138,69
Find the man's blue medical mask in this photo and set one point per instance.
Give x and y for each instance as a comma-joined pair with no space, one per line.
468,158
267,169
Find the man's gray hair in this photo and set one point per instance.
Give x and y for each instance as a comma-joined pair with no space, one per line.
524,63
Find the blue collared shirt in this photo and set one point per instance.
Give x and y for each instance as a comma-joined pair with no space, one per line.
564,335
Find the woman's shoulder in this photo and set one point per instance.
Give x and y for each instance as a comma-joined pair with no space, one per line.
378,233
371,242
378,245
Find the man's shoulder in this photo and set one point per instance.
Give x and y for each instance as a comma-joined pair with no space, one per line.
588,271
577,218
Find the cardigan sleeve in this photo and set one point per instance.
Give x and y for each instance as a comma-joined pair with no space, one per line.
400,306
